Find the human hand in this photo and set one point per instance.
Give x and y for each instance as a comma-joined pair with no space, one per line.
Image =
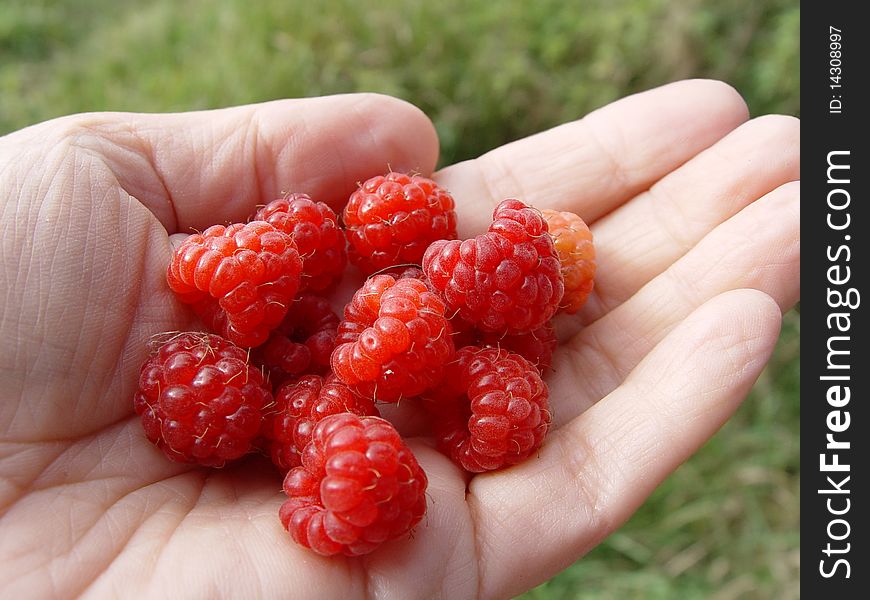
688,205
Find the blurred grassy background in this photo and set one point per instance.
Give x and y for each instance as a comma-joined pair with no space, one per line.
726,524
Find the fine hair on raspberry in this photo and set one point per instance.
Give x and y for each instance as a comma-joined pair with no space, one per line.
536,346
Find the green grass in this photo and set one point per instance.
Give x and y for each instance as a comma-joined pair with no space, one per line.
726,524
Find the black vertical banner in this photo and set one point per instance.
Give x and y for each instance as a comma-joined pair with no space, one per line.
835,226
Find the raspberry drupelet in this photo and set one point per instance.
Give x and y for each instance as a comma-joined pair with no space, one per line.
240,279
358,486
302,343
299,406
407,271
394,340
507,280
393,218
492,410
199,399
314,228
573,242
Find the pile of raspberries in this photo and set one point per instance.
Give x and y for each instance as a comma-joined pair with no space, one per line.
459,329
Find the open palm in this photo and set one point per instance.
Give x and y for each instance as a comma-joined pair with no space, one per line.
689,205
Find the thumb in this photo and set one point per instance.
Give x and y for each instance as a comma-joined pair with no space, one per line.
196,169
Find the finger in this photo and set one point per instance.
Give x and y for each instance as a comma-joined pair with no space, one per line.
592,165
643,237
757,248
592,474
196,169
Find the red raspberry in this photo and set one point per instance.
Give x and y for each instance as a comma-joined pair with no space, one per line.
573,242
394,340
358,487
491,411
302,343
537,346
240,279
199,399
314,228
299,406
391,219
505,280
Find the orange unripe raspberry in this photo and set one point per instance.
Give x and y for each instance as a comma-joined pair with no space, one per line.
573,242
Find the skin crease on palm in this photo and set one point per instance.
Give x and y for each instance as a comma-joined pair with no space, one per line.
695,212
